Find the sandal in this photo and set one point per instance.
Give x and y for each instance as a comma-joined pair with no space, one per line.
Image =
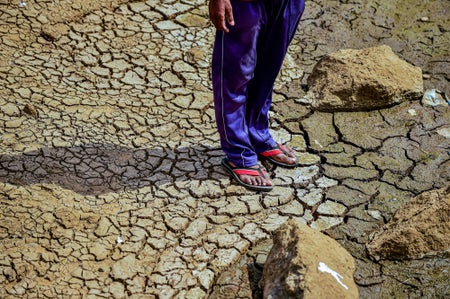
236,171
276,150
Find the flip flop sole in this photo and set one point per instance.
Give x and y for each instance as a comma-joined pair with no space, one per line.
275,162
226,165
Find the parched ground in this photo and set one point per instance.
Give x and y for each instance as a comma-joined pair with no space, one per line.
110,178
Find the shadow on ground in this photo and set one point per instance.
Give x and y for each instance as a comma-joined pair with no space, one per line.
96,169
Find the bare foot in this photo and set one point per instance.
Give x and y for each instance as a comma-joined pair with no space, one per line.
287,156
254,180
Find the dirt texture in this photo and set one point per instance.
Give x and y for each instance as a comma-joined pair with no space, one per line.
110,177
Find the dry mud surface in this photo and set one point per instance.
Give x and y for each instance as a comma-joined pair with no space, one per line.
110,178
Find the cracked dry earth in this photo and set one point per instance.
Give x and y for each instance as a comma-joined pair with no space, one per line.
110,178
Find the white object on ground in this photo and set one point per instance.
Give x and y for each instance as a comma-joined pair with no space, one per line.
412,112
434,97
324,268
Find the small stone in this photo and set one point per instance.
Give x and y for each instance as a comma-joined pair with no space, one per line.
30,110
52,32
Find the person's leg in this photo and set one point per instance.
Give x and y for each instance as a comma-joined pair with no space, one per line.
283,18
233,65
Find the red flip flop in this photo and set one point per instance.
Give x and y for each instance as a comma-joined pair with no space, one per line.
236,171
278,149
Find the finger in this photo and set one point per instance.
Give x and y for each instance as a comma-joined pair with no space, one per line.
219,22
222,24
229,14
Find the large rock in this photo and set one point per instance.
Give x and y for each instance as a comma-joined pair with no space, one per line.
304,263
421,227
361,80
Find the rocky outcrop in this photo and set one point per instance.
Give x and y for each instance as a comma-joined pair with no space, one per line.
304,263
360,80
421,227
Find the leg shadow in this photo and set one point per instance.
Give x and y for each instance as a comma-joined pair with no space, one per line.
96,169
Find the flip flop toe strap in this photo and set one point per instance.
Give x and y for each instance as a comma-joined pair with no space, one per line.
252,172
271,153
278,149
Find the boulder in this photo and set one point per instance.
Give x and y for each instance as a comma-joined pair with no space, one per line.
419,228
304,263
362,80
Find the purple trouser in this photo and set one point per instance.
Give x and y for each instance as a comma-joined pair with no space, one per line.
246,61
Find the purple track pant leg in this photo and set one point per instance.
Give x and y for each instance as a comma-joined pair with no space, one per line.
233,66
283,18
246,62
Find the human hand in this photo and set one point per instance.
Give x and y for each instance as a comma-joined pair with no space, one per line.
221,13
